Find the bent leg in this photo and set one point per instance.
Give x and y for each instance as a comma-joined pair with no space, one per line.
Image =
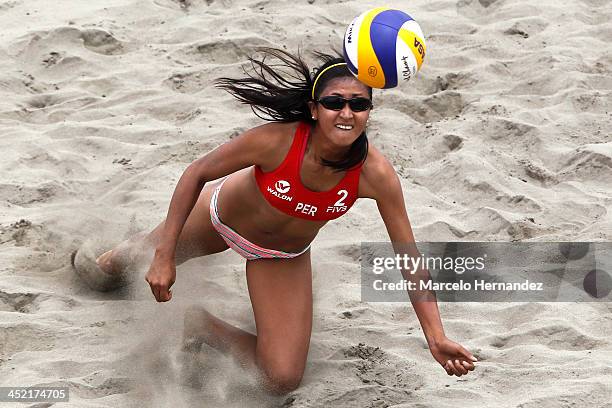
197,238
281,296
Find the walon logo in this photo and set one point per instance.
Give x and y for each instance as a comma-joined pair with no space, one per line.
282,186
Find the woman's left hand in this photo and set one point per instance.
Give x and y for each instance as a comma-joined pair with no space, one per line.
455,359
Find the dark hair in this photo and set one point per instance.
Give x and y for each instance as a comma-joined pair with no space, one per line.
280,92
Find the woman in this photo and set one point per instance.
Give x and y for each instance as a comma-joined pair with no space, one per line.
280,183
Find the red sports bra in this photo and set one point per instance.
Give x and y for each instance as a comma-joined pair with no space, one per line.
284,190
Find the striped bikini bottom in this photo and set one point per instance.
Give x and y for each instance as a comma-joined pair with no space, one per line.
242,246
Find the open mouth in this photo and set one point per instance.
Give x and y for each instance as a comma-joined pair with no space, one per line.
344,127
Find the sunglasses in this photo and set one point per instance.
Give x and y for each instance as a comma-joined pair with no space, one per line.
336,103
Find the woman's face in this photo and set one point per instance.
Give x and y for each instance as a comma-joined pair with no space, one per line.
330,121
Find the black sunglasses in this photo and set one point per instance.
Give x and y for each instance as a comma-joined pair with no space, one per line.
336,103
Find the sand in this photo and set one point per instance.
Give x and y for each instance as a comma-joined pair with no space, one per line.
503,136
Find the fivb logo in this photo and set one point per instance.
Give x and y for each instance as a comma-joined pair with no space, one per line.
281,187
339,206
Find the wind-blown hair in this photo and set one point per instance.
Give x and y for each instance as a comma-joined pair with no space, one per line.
280,92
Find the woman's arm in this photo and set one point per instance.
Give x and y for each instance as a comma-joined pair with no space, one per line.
253,147
382,184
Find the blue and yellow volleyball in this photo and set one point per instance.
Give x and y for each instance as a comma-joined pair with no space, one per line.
384,47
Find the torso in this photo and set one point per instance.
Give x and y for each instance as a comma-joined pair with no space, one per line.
243,207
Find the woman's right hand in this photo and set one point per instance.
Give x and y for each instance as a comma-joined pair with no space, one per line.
161,277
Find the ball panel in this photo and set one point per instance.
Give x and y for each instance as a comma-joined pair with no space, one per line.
371,72
383,40
415,44
414,27
392,18
406,63
349,64
351,43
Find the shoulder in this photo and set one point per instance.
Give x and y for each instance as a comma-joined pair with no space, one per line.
258,146
275,141
377,175
266,140
271,135
376,165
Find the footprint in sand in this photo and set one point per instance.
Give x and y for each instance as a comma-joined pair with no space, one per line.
46,46
220,51
482,3
110,386
453,142
7,5
553,336
445,104
587,161
53,58
24,233
101,42
18,302
43,101
450,81
184,5
478,8
538,172
378,371
487,3
190,82
39,338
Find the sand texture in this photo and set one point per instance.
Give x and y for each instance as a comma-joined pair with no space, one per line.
505,135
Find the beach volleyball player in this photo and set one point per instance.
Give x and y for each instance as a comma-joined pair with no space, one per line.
265,194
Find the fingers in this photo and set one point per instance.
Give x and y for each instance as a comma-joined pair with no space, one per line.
462,363
458,368
155,291
161,292
467,365
468,356
166,296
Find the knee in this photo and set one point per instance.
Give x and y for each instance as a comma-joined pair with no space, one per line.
281,378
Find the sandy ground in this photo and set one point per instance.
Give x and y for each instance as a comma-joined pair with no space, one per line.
504,135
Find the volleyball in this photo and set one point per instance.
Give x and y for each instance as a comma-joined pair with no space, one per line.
384,47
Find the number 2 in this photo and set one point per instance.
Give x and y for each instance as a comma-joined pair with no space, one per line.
340,202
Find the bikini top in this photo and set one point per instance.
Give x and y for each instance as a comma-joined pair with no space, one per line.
283,188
